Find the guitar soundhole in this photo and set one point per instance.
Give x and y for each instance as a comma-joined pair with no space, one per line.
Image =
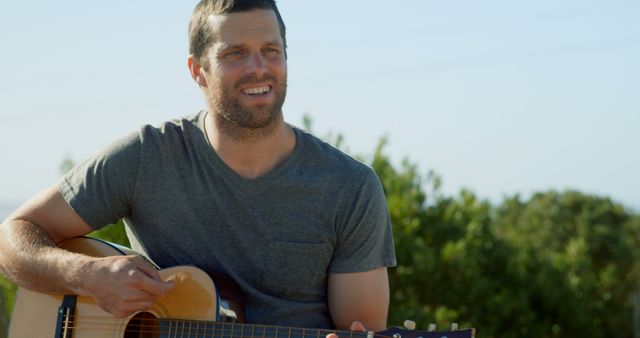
143,325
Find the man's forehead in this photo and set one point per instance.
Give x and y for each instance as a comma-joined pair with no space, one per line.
245,22
258,27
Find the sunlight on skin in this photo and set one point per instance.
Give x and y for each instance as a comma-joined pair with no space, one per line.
355,326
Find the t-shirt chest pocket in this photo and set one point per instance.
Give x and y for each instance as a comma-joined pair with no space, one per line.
297,270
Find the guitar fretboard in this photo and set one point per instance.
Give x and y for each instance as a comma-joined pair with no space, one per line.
204,329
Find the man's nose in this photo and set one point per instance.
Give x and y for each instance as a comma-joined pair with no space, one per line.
256,64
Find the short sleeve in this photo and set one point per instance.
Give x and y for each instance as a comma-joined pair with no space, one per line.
101,188
365,238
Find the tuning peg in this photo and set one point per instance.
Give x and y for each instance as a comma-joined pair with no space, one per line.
454,326
409,325
432,327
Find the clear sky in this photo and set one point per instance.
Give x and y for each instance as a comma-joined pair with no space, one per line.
499,97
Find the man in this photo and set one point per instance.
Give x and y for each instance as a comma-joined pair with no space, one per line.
302,228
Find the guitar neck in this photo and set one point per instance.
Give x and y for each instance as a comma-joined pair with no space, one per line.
194,328
207,329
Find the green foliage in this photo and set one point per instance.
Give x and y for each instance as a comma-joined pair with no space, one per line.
66,165
556,265
582,254
7,298
113,233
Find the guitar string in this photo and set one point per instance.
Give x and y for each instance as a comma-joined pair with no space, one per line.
218,329
173,332
208,332
234,326
226,329
223,331
198,333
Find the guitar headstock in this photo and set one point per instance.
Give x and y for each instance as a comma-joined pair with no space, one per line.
409,332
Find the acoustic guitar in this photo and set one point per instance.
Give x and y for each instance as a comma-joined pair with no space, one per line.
192,309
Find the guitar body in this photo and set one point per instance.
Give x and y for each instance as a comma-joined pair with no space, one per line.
36,314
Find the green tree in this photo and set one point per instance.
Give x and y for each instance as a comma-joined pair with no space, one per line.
556,265
448,256
581,254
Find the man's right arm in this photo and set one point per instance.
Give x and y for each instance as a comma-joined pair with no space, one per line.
28,237
30,257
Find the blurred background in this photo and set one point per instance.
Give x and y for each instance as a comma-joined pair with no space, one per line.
506,132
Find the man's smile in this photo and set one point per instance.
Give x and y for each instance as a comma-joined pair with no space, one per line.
256,90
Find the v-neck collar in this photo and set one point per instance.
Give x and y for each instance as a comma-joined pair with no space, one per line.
248,184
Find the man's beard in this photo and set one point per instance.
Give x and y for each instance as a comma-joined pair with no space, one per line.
245,123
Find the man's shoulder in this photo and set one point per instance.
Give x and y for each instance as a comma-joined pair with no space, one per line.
172,131
178,125
321,154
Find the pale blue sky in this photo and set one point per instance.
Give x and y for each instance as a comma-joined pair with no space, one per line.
497,96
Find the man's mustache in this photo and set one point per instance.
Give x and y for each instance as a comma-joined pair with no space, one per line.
252,79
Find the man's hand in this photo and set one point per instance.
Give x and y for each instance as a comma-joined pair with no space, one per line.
122,285
355,326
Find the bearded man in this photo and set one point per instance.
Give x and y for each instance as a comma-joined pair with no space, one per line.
234,190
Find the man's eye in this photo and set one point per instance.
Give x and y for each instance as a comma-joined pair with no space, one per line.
271,51
234,54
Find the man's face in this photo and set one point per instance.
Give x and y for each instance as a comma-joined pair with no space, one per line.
247,75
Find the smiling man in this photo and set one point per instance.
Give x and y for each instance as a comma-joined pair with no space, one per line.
302,228
244,73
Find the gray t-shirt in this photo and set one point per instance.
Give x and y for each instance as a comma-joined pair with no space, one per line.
277,236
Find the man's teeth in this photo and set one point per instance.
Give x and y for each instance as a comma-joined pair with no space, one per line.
257,90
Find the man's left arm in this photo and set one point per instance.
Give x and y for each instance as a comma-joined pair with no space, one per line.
359,297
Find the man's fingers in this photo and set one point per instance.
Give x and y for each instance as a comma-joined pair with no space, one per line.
122,285
151,281
155,286
357,326
146,267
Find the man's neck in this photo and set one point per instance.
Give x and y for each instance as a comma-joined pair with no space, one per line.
254,152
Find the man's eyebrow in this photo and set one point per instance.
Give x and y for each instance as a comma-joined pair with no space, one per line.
225,47
243,45
273,43
236,46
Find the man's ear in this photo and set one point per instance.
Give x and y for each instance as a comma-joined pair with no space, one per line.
197,73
